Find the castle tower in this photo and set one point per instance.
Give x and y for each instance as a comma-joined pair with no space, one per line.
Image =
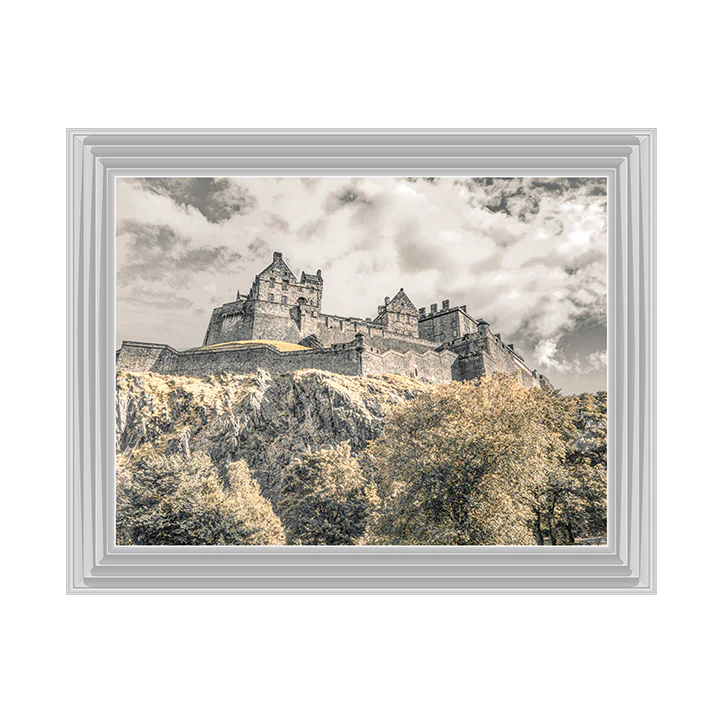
278,307
444,325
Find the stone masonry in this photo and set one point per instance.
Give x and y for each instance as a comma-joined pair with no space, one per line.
441,345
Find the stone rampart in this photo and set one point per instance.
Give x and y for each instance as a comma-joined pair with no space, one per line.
137,356
431,366
249,359
483,353
353,358
140,357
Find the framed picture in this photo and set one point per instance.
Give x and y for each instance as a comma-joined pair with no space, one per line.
377,361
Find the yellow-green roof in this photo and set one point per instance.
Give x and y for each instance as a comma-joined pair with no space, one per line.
278,345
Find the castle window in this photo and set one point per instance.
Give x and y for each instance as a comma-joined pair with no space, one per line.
284,286
284,300
341,324
272,283
271,297
397,315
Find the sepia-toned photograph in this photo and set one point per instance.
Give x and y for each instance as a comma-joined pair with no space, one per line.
361,361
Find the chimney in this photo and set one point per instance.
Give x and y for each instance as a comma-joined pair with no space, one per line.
277,255
318,273
422,312
445,304
433,309
381,309
464,308
386,301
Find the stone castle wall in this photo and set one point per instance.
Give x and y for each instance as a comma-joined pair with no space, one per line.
142,357
443,325
337,330
230,321
274,321
246,361
431,366
483,353
139,357
354,358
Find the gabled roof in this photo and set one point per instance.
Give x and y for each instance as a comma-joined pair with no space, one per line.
401,302
279,266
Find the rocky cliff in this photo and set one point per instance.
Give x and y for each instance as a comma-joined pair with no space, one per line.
265,420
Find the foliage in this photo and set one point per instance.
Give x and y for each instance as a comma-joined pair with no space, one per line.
458,465
323,498
575,505
588,441
180,500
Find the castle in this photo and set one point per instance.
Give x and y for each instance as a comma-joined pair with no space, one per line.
279,326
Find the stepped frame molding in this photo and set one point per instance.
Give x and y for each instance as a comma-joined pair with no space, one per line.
625,565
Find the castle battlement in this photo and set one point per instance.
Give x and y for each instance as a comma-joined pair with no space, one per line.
279,326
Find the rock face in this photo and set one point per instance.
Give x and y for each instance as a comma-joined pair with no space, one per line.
265,420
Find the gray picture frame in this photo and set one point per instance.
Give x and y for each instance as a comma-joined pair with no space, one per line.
626,157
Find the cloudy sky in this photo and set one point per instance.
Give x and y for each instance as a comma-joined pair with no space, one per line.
527,254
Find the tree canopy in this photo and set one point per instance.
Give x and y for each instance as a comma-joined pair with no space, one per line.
180,500
323,498
457,466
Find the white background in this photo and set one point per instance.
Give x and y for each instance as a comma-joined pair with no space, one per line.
387,64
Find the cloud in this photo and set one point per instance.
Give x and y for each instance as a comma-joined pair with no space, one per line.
146,297
550,357
158,253
218,199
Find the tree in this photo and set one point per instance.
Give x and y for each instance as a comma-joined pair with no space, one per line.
459,464
584,511
323,498
180,500
572,503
